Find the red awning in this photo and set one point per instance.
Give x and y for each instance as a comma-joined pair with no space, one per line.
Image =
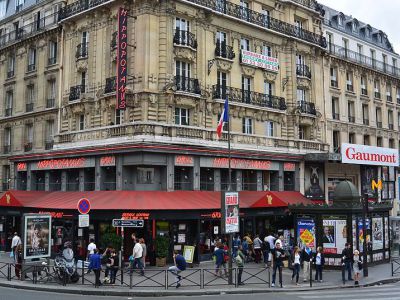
146,200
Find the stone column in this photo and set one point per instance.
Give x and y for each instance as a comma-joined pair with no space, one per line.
63,181
118,173
28,178
196,173
47,181
281,177
81,180
170,172
97,174
217,179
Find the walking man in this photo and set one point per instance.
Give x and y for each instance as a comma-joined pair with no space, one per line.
178,267
95,265
306,258
16,241
277,259
347,260
137,257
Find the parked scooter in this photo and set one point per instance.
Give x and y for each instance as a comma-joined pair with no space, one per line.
65,266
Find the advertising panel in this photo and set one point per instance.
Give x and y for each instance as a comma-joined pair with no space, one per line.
122,45
314,181
369,155
377,233
335,236
260,61
230,212
306,233
361,234
37,236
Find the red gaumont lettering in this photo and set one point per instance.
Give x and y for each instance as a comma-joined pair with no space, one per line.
61,163
351,153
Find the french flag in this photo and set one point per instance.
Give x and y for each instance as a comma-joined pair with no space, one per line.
224,118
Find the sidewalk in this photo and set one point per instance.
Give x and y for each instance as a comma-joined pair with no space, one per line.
197,281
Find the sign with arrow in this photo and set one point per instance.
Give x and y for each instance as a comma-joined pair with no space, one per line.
127,223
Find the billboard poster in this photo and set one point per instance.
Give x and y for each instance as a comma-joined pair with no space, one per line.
230,212
306,233
37,236
361,234
386,232
122,54
377,233
368,173
314,181
259,60
335,236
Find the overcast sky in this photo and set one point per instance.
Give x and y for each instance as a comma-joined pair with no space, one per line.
381,14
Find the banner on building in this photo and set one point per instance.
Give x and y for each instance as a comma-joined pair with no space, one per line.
369,155
122,45
230,212
314,181
335,236
306,233
37,236
260,61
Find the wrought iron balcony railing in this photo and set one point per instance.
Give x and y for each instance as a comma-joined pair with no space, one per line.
303,71
111,85
52,61
50,103
49,145
307,107
75,92
352,119
224,51
249,97
8,112
6,149
28,146
10,74
186,84
363,60
29,107
185,38
312,4
82,50
78,7
259,19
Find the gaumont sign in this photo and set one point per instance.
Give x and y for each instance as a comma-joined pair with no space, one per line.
260,61
368,155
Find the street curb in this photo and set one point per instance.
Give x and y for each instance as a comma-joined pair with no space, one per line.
161,293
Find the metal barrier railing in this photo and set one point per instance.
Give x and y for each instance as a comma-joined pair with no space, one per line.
395,265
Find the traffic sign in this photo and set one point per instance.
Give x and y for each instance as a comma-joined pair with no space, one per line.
83,221
83,206
127,223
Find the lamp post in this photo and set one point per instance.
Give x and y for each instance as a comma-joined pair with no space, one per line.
364,226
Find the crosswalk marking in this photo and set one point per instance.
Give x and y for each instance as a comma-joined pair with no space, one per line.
347,295
353,290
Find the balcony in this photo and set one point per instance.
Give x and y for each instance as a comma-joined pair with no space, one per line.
186,84
50,103
335,116
52,61
111,85
113,43
366,122
334,83
29,107
307,108
364,92
31,67
352,119
81,51
7,149
28,30
377,95
75,92
10,74
48,145
303,71
8,112
388,98
249,97
350,88
185,38
78,7
312,4
224,51
363,60
28,147
391,126
379,124
260,20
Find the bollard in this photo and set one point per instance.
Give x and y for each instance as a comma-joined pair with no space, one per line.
310,273
9,272
83,273
166,279
130,278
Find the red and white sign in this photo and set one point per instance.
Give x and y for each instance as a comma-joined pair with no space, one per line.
84,206
369,155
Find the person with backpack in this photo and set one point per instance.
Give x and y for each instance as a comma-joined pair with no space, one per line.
178,267
236,243
347,263
357,266
239,259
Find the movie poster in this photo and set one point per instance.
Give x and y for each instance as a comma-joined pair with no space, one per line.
306,233
361,234
230,212
314,182
368,173
377,233
37,235
386,233
334,236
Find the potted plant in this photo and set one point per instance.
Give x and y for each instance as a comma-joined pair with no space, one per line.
162,247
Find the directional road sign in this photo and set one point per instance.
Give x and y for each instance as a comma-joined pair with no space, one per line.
127,223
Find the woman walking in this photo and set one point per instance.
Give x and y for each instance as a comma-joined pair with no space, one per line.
143,244
296,264
319,261
357,266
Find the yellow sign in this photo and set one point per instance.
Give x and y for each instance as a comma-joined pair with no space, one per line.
269,200
306,237
8,199
188,253
376,185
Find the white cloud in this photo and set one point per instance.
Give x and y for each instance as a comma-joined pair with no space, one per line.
380,14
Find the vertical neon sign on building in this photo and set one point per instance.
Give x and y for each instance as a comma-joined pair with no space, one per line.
122,44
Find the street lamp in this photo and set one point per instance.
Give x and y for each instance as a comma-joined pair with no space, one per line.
364,200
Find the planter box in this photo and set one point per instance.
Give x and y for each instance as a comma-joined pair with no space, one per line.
161,262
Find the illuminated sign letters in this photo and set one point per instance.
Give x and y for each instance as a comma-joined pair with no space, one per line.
122,44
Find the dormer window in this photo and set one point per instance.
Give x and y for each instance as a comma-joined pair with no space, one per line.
340,20
354,26
367,32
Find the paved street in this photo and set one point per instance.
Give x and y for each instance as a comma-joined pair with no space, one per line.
387,292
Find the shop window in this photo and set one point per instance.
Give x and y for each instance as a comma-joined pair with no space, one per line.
108,178
225,180
38,181
22,181
89,182
249,180
145,175
206,179
55,180
73,180
288,181
183,179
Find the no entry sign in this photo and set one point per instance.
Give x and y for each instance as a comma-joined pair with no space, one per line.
83,206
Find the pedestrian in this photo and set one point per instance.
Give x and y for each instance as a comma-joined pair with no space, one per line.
143,244
15,242
90,251
296,264
306,258
277,260
257,243
266,249
18,260
239,259
245,249
114,266
319,260
357,266
178,267
347,261
107,260
270,239
137,257
95,265
236,243
220,260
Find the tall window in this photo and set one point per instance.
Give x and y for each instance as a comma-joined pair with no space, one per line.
398,94
52,89
52,52
7,139
349,81
365,114
268,88
266,16
9,103
379,141
378,117
31,59
221,39
246,89
304,132
244,9
366,140
11,65
350,111
182,72
267,50
81,122
119,116
28,133
390,120
181,116
334,81
329,38
389,93
269,128
336,141
373,57
301,96
247,125
49,130
30,97
340,21
364,90
352,138
221,85
245,44
182,30
335,108
377,89
83,82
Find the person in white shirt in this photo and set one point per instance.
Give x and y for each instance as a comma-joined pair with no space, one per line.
90,251
16,241
137,256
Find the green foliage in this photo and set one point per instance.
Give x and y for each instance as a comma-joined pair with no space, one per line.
110,238
162,246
